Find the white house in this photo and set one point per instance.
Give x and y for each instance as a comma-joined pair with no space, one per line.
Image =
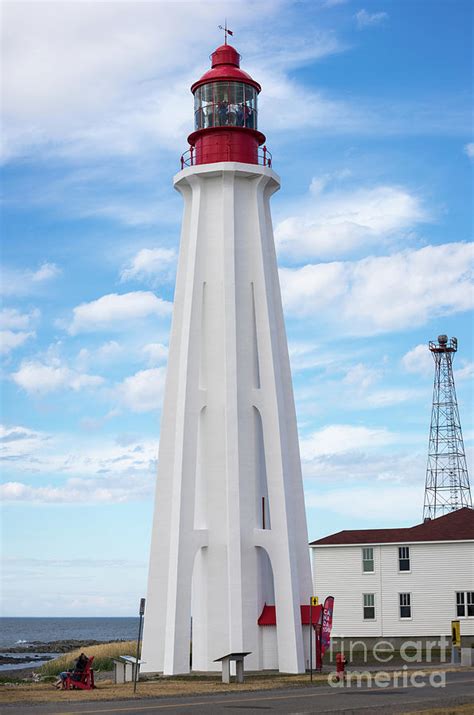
400,583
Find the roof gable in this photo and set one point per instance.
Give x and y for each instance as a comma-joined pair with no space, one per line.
455,526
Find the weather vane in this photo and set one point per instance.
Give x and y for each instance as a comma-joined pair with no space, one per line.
226,31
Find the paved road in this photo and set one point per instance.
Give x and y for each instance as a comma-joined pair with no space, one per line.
459,690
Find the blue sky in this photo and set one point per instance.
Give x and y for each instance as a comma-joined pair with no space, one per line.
366,109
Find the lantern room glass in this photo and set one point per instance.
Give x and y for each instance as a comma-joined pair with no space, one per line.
224,104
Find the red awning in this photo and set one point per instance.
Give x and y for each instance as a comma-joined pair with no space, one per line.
268,615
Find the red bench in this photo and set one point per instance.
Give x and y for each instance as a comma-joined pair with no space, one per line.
81,680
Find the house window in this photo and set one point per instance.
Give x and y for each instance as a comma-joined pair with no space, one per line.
405,605
464,604
369,607
404,558
368,560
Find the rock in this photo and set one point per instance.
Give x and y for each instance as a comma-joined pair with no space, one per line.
55,646
11,660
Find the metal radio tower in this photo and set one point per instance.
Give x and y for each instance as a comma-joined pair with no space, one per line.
447,481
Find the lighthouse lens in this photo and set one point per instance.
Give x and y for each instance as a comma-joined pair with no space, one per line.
221,104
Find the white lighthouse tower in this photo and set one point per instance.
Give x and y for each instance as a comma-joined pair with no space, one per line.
229,533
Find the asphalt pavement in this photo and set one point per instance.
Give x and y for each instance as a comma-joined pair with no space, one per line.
350,699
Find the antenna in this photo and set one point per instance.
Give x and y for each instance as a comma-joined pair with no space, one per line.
447,480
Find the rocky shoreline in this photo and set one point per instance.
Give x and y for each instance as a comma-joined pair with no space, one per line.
53,646
15,660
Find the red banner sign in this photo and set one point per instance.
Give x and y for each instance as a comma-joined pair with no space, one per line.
326,625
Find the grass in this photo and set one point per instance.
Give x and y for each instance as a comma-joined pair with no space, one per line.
167,687
10,679
103,656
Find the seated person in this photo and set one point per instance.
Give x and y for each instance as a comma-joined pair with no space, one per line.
79,667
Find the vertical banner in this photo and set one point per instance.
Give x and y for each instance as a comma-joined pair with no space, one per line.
456,634
326,625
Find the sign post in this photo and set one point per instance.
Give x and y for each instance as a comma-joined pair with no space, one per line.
141,614
319,659
455,641
313,601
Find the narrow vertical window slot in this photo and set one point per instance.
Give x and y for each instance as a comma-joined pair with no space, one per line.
261,485
203,344
256,361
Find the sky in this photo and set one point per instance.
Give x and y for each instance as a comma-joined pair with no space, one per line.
366,108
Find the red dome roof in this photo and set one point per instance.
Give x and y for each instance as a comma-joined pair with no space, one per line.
225,67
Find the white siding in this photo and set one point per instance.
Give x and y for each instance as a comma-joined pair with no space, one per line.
437,571
269,648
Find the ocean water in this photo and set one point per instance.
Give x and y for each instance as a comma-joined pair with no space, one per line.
18,631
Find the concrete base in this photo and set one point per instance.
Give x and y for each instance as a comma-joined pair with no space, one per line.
123,672
455,656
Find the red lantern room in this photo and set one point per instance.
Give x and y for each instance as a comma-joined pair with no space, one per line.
225,114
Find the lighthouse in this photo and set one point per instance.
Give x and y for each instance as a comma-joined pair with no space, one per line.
229,540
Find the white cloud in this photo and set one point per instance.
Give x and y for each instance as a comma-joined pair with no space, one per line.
361,376
74,492
466,372
385,293
469,150
12,319
38,378
149,264
274,53
156,353
18,441
369,465
14,328
112,311
306,355
106,353
347,454
338,222
24,281
143,392
45,272
98,471
10,340
368,19
318,111
418,360
382,504
339,439
392,396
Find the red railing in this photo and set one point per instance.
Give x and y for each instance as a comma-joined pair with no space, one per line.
264,157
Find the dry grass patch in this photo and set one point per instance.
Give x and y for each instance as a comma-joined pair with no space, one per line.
103,656
106,690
